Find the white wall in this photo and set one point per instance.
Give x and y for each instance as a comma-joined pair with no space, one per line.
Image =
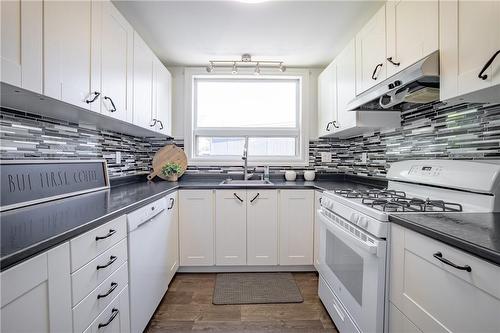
178,102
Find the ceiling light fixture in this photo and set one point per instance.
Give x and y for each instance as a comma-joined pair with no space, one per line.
257,69
245,62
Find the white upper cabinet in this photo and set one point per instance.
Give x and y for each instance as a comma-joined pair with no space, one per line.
67,44
22,44
230,227
346,86
412,32
262,227
162,99
327,100
371,53
143,83
36,294
112,60
296,227
469,39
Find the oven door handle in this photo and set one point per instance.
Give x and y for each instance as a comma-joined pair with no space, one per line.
341,232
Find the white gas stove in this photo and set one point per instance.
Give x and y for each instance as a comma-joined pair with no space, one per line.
354,227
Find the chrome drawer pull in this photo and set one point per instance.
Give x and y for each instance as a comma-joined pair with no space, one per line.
114,313
110,233
112,259
113,287
439,256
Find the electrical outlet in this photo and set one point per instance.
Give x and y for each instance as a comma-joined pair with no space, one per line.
326,157
118,157
364,157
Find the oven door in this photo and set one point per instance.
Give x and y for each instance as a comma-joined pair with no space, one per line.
352,262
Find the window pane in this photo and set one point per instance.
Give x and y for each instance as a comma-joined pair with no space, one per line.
214,146
246,103
271,146
225,146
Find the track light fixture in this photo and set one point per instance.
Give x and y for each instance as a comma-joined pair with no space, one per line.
245,62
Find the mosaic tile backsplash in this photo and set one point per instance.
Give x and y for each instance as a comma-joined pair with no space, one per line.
459,132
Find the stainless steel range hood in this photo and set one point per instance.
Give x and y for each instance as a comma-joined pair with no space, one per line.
412,87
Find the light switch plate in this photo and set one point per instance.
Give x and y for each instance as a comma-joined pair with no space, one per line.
326,157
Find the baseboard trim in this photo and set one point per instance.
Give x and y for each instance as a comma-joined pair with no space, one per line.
244,269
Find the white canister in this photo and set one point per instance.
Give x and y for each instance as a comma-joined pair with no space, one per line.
309,175
290,175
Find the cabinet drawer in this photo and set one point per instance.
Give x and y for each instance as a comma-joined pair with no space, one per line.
434,295
91,244
114,318
90,307
89,276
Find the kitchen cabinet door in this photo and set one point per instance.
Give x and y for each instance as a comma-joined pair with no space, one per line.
346,86
317,206
143,84
469,37
36,294
371,53
327,100
67,49
22,44
296,227
435,296
196,227
112,61
230,227
162,98
412,32
173,234
262,227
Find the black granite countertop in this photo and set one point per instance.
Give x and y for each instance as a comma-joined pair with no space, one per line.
28,231
475,233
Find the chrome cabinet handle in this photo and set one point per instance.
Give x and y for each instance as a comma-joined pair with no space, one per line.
114,313
254,198
392,62
439,256
488,64
153,123
110,233
112,259
375,71
161,124
112,104
237,197
111,289
96,94
172,200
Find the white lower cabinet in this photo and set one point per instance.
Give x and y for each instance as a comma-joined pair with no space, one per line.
317,205
36,294
399,323
172,234
435,296
230,227
262,227
196,227
296,227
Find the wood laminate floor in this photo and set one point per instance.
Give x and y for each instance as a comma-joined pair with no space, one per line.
187,307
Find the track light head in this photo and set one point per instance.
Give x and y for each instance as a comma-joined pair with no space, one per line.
210,68
235,69
282,67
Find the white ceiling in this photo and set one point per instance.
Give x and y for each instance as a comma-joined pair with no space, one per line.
301,33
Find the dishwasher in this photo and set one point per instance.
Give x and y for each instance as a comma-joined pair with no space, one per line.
148,267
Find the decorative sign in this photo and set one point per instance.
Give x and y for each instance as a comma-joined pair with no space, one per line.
29,182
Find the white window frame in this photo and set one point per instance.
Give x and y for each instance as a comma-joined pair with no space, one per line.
300,132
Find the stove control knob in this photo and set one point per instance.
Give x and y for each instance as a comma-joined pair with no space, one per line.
363,222
354,218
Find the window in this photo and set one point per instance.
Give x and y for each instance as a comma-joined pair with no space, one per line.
228,109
